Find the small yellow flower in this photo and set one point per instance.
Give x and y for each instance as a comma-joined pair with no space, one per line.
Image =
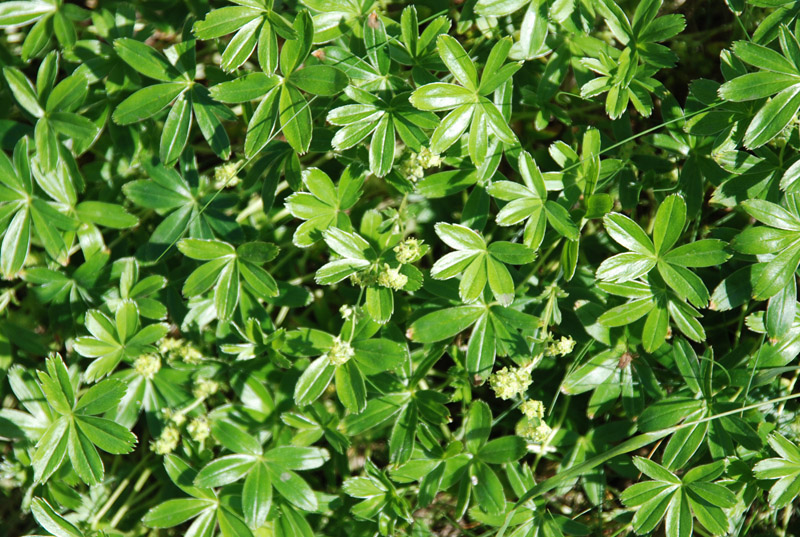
199,428
429,159
169,344
561,347
147,365
532,409
341,352
534,430
347,312
408,250
508,383
391,278
178,418
205,387
225,175
167,441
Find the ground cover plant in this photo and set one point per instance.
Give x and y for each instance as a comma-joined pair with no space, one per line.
520,268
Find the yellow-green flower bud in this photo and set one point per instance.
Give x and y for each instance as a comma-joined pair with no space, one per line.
408,250
167,441
199,428
204,388
341,352
561,347
391,278
508,383
147,365
532,409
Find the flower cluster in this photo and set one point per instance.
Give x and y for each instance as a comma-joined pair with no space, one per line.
391,278
414,166
340,352
508,383
204,387
199,428
147,365
167,441
408,251
562,347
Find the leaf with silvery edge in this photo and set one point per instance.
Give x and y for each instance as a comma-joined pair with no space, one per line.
470,109
478,263
672,262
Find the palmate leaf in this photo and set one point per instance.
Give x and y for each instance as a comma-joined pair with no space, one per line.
785,468
204,508
189,101
261,470
470,107
529,204
77,432
346,362
324,205
254,25
781,238
479,263
677,501
228,270
672,262
117,339
373,115
779,76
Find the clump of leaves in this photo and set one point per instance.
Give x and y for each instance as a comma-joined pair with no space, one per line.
505,267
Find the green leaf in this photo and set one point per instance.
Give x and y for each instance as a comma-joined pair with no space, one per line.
224,470
702,253
350,387
382,148
444,324
147,102
439,96
758,85
23,91
670,219
313,381
47,517
257,496
176,130
503,449
293,488
773,117
109,436
295,51
457,61
763,58
487,488
295,117
478,426
319,79
145,60
401,439
174,512
627,233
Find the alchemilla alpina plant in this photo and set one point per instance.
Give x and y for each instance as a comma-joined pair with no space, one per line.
481,268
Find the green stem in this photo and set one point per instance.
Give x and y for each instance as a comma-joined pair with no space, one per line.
117,492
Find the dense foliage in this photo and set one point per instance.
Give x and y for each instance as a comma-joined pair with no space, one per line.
524,268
